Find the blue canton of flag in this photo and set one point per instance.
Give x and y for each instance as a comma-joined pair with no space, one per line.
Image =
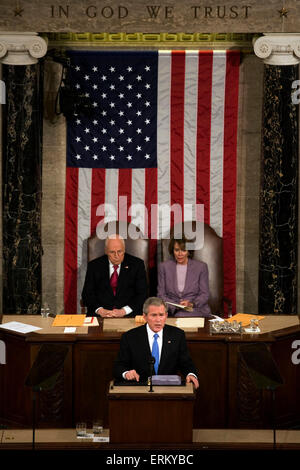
119,129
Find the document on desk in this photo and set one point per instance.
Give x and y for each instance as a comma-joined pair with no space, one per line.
91,321
244,318
19,327
69,320
70,329
190,322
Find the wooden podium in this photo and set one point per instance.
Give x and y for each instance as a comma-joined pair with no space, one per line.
162,416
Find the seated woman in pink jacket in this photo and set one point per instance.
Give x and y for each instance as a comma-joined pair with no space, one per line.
183,281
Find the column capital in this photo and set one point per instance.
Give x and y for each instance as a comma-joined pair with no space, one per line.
278,48
21,48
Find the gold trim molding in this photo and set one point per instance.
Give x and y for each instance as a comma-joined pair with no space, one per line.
242,41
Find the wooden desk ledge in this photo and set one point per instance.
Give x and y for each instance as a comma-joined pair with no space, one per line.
205,438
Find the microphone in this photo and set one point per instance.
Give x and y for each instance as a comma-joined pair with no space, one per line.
151,363
152,360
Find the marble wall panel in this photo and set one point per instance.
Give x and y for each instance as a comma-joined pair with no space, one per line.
53,202
22,131
279,194
248,176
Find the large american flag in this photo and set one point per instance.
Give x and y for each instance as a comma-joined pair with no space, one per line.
155,128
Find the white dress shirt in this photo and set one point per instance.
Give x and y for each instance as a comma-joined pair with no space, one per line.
151,338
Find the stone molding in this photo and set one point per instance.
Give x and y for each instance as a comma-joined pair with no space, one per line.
21,48
278,48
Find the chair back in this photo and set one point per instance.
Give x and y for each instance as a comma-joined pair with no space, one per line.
210,253
135,244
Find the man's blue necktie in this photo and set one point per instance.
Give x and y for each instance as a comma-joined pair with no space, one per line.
155,352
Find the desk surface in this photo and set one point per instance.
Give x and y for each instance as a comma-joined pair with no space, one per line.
115,327
187,390
222,438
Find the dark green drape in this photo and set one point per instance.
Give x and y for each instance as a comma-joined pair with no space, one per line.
279,194
22,153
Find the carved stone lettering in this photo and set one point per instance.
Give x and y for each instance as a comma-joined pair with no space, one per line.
153,10
60,11
145,16
220,11
107,12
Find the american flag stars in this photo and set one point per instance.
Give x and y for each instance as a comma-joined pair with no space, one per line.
122,131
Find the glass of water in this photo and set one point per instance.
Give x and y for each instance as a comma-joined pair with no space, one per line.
97,427
81,429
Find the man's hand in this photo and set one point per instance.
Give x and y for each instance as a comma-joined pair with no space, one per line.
132,375
118,313
193,379
104,313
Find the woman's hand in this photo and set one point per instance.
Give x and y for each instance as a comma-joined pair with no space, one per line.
187,303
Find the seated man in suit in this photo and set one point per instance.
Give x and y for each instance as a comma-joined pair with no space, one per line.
166,343
115,284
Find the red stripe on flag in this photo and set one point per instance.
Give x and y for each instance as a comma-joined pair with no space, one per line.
97,197
151,199
177,130
70,271
204,131
229,183
125,187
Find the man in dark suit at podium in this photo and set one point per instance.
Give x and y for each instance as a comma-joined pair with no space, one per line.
165,343
115,284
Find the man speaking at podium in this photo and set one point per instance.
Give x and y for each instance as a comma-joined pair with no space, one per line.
165,343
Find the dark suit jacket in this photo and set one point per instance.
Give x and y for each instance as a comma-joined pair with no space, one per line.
131,289
196,288
135,353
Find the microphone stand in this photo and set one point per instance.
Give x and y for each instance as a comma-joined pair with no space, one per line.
151,362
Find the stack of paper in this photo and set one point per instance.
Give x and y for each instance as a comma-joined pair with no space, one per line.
19,327
244,318
69,320
190,322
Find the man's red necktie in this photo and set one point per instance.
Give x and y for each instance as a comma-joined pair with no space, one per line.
114,279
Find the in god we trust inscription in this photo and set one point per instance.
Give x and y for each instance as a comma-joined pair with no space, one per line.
155,12
132,16
251,16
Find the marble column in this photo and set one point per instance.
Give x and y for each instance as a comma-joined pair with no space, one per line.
21,176
278,250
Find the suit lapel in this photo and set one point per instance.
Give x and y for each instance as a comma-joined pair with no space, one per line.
124,272
143,348
174,278
188,275
106,274
165,347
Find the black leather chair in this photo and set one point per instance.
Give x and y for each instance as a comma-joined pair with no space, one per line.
135,244
212,254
